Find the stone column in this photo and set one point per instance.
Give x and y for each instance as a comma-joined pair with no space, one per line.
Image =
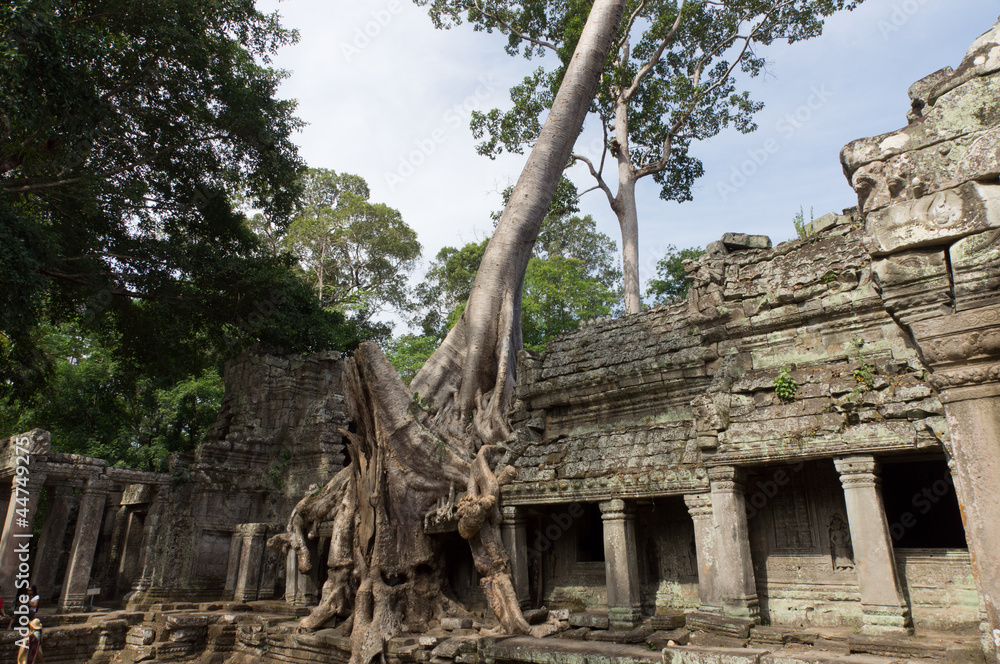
253,536
88,528
514,532
300,589
233,566
137,596
700,508
621,564
50,543
118,534
974,421
15,564
735,586
884,610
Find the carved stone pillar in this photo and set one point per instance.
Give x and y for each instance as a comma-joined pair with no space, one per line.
118,535
700,508
25,489
253,536
621,564
883,606
735,585
147,556
974,420
17,532
88,529
50,543
233,566
514,532
300,588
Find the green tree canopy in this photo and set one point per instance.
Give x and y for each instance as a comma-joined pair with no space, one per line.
670,81
126,129
572,275
669,283
356,254
97,405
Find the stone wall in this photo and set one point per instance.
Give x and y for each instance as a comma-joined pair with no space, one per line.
277,435
794,382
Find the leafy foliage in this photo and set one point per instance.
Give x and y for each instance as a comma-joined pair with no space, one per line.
571,276
800,223
356,254
408,353
559,292
127,128
97,405
670,283
785,386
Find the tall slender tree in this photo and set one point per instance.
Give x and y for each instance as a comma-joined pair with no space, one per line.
357,254
670,80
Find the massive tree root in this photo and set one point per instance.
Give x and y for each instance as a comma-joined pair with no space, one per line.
479,522
410,446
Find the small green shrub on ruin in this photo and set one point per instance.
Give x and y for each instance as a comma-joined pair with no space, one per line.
785,386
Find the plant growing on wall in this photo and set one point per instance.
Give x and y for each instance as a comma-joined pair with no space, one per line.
785,386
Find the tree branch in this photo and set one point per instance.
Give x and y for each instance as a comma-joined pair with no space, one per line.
661,163
653,59
597,176
509,28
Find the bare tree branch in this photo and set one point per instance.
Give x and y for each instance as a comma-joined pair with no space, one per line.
597,176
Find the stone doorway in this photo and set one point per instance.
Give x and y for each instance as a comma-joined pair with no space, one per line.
668,559
928,540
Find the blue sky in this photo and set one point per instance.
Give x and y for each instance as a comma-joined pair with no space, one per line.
386,96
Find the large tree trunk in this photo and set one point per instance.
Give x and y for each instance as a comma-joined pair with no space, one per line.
472,373
628,220
625,209
410,447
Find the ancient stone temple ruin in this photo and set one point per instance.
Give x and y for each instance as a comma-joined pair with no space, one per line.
804,452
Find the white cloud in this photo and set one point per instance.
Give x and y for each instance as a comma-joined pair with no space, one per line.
372,106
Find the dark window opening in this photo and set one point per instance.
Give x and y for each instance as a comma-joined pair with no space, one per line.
921,506
590,535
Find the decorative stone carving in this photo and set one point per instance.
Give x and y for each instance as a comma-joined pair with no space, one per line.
970,108
915,284
975,268
841,552
982,58
932,220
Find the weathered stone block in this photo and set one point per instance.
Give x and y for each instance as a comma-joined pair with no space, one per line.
451,624
707,622
935,219
661,639
668,621
592,619
707,655
738,241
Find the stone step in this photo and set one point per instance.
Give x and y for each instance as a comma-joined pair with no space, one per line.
591,619
738,628
566,651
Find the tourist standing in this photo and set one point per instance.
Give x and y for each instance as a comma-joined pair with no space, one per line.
31,646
